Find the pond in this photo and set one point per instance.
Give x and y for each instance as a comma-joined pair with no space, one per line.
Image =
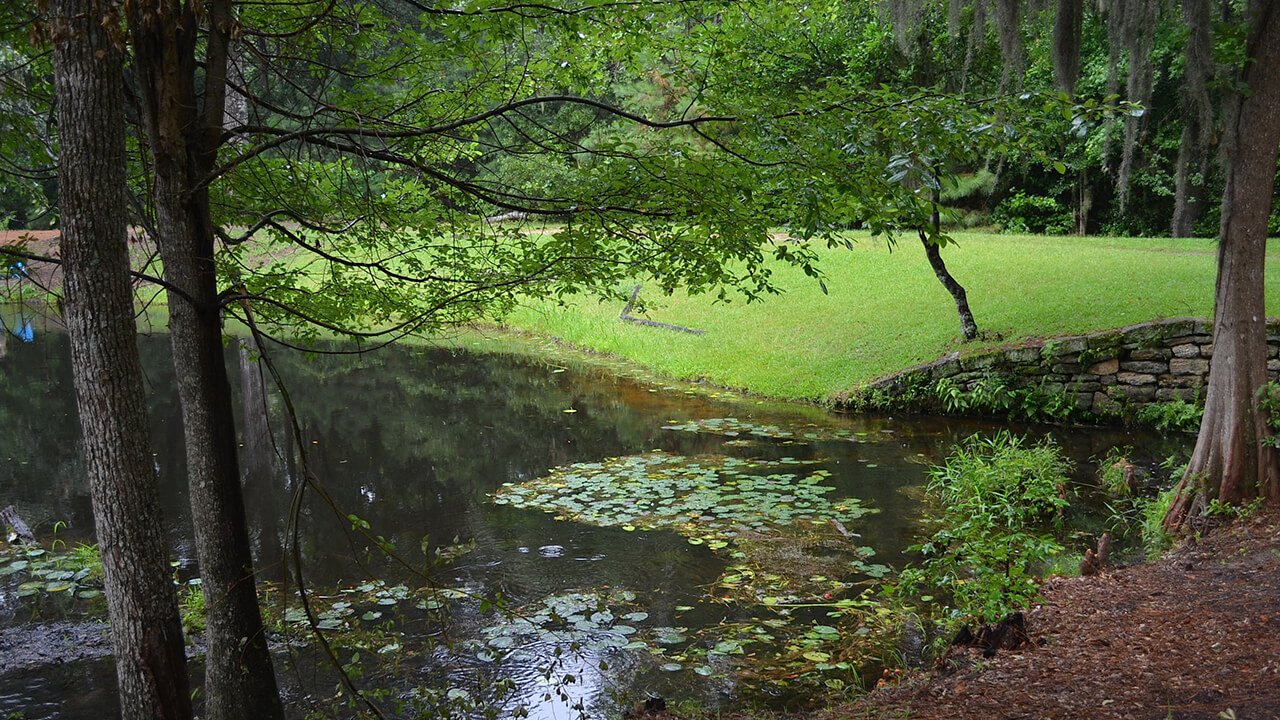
634,534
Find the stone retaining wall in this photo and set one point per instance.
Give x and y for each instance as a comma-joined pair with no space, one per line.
1103,373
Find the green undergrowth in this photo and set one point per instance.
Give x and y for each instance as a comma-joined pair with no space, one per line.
885,311
996,513
66,575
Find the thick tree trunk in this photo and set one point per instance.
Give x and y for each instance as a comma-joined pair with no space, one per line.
1232,461
145,631
239,677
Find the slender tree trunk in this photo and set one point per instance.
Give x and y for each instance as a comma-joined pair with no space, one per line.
1232,460
967,324
145,632
1084,202
184,134
968,327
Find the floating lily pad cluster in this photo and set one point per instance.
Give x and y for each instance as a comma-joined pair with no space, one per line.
366,602
595,621
784,535
707,499
735,428
72,573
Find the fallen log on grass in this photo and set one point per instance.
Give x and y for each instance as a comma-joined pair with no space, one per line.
626,316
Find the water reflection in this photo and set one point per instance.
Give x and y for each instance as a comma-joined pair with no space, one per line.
413,441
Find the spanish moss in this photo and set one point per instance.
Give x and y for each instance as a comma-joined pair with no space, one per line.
1009,31
1067,29
1197,133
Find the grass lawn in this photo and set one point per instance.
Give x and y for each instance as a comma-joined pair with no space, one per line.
886,311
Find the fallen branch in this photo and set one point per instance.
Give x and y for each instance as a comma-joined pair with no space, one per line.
626,316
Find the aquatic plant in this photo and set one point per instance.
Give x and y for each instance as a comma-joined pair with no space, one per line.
733,428
996,500
74,573
793,564
708,499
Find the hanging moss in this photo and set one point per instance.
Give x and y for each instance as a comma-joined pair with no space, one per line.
1009,31
904,18
1197,109
1067,28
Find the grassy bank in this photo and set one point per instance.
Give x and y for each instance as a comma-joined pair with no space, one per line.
885,311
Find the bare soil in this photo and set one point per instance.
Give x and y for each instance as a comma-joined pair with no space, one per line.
1193,635
38,242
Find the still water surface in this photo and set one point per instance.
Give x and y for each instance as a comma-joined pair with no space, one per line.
414,441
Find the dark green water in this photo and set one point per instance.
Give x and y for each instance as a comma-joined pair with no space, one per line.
414,441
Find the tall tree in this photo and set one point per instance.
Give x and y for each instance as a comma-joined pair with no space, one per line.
1235,458
145,631
184,130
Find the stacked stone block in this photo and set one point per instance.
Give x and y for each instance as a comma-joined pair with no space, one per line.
1104,371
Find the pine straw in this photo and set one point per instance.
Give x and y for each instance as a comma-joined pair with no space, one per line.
1190,636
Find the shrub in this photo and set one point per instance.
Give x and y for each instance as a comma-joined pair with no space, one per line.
1172,416
1024,213
998,499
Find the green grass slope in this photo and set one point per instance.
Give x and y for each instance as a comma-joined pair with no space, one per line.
885,311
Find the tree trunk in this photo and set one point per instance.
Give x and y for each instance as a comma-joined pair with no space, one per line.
1188,193
967,324
968,327
145,632
239,677
1233,462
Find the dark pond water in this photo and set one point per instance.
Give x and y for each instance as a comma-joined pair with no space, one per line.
415,441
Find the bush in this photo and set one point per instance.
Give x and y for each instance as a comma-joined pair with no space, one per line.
1022,213
997,501
1172,416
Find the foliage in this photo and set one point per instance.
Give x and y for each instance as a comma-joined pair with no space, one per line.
1134,511
1155,539
994,394
1172,415
1269,404
191,607
1115,471
997,500
54,572
1022,213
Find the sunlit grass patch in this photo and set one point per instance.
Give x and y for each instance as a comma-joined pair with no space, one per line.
885,310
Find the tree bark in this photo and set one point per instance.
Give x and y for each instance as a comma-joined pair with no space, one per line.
1233,460
98,306
968,327
184,136
1188,193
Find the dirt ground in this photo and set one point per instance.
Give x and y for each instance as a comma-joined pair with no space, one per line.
39,242
1193,635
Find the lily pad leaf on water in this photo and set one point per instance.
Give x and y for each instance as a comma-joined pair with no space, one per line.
734,427
707,499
